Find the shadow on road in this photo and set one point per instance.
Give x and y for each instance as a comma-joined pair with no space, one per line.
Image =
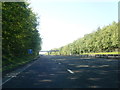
51,72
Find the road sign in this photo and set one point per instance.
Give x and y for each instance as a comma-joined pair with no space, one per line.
29,51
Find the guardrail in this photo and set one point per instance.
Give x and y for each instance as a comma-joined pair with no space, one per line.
114,56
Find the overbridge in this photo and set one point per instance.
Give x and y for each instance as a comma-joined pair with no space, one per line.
50,51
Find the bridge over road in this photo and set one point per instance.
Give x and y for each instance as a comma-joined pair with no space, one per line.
49,51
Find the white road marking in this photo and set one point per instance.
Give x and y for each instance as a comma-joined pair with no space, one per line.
70,71
6,81
12,76
59,63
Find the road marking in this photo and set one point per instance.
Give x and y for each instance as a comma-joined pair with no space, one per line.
12,76
6,81
59,63
70,71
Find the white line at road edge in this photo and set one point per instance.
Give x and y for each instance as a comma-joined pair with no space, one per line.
6,81
70,71
17,73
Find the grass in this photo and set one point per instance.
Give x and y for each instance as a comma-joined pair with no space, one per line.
11,64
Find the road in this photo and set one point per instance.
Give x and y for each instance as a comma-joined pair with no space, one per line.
66,72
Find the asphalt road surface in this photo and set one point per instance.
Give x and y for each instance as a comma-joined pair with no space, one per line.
66,72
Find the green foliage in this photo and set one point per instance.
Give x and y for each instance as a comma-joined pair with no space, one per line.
102,40
19,33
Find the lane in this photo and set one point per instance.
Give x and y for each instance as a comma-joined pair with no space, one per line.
93,72
43,73
67,72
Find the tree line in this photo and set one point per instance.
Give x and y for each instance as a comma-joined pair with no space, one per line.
102,40
19,33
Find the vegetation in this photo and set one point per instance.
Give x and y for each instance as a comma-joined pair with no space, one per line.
103,40
19,34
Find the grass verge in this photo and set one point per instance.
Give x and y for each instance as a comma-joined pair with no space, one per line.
15,63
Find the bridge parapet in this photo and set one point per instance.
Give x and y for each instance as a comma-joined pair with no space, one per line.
50,51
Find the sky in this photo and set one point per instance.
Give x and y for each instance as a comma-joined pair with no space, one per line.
63,21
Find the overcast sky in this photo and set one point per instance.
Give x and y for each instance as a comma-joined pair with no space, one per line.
63,21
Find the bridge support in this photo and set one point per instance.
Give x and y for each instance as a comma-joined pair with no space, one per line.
48,53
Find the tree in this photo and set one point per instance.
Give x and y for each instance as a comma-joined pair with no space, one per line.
102,40
19,32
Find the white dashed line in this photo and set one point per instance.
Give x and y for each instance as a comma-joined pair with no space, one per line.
70,71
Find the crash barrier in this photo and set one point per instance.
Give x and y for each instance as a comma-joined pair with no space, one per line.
116,56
